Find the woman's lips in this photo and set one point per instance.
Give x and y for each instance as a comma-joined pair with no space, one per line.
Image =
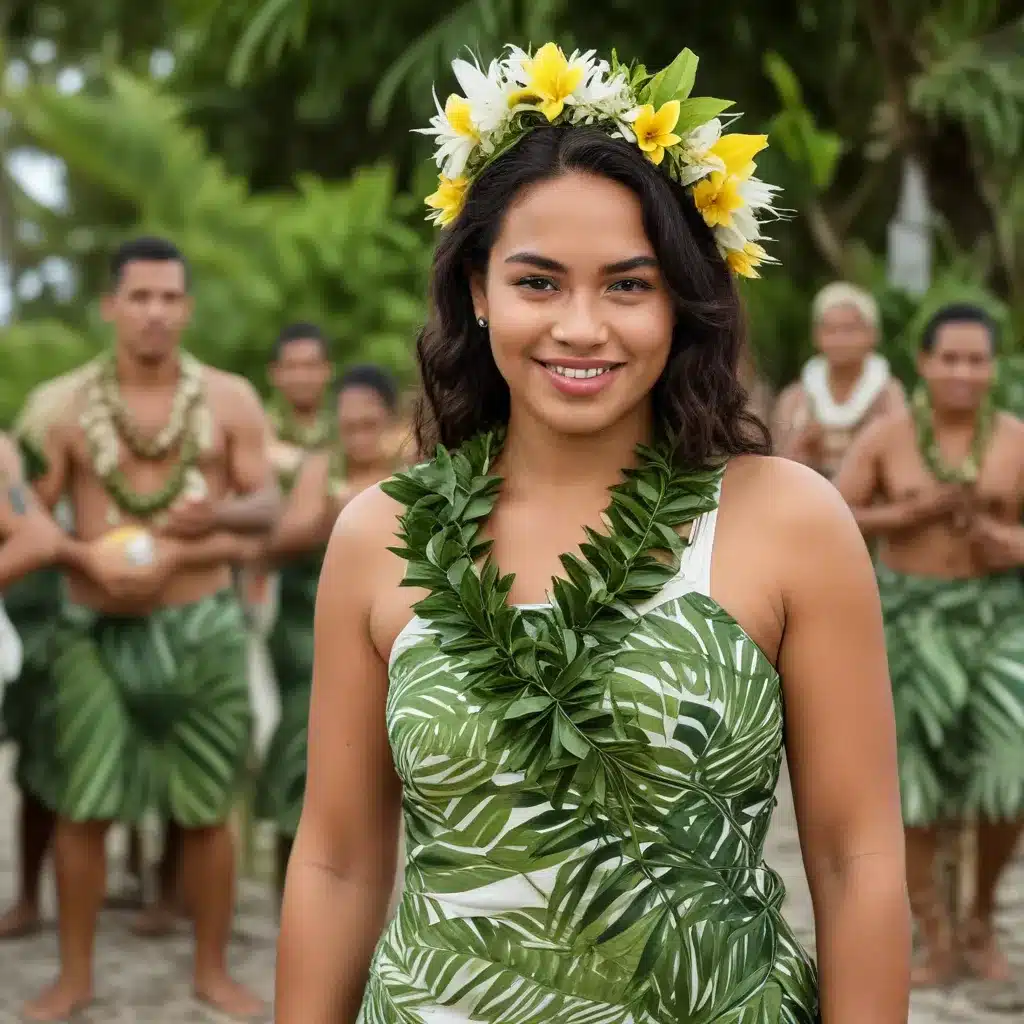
580,377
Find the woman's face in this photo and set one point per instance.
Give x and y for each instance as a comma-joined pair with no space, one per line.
580,319
844,337
363,421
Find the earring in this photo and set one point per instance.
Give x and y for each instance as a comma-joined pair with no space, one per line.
482,322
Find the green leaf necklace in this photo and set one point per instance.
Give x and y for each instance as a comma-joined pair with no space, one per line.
549,668
928,445
288,429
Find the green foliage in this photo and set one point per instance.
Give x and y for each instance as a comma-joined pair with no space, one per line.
285,120
349,255
809,147
36,350
674,82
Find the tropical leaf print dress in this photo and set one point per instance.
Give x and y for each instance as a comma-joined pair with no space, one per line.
587,784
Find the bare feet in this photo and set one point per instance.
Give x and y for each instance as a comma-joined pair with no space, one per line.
933,972
127,898
981,953
156,922
59,1003
937,965
20,921
228,997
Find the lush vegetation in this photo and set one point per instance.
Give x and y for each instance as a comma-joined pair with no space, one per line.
271,139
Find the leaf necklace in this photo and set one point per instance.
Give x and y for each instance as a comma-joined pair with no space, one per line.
106,423
924,424
319,434
288,429
550,669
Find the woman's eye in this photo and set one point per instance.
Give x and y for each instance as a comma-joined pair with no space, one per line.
631,284
536,284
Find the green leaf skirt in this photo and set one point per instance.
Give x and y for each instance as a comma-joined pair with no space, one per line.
33,605
282,783
956,659
147,714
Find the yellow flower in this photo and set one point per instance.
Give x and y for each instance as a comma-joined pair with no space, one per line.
745,261
718,197
550,81
447,200
737,152
459,113
654,130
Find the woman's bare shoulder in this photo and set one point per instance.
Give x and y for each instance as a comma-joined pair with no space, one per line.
788,501
367,525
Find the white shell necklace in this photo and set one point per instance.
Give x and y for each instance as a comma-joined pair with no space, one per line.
873,380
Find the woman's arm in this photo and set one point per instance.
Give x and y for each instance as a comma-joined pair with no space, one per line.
342,867
841,748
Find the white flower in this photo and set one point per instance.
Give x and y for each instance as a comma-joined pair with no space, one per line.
602,90
106,460
455,132
744,228
487,94
759,195
194,484
698,160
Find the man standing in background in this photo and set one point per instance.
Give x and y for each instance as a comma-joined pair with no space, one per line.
165,462
842,389
306,435
940,487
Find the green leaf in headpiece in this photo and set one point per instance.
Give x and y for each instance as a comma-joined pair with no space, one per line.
673,82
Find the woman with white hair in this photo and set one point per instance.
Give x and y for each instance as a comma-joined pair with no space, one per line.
842,388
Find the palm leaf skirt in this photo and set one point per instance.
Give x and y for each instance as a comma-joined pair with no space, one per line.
33,605
149,714
956,659
282,781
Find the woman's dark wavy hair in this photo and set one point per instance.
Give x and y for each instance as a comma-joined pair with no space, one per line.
698,401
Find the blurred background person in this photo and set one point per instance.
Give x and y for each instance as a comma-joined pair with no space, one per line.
841,389
938,487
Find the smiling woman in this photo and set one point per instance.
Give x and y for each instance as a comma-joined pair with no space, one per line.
615,253
585,750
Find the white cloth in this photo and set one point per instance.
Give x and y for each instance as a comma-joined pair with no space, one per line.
263,696
833,415
10,650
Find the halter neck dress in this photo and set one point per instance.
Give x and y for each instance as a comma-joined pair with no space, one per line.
518,912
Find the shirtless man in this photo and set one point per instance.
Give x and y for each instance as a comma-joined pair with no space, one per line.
150,651
303,422
32,544
29,538
305,432
938,487
840,390
364,454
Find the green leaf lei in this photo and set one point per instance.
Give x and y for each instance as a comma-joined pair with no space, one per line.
549,668
928,445
317,435
107,425
146,505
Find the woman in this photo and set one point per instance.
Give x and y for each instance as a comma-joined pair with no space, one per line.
586,767
843,388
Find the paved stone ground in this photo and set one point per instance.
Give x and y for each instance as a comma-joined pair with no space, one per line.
146,982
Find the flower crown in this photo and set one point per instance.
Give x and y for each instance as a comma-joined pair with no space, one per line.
681,134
